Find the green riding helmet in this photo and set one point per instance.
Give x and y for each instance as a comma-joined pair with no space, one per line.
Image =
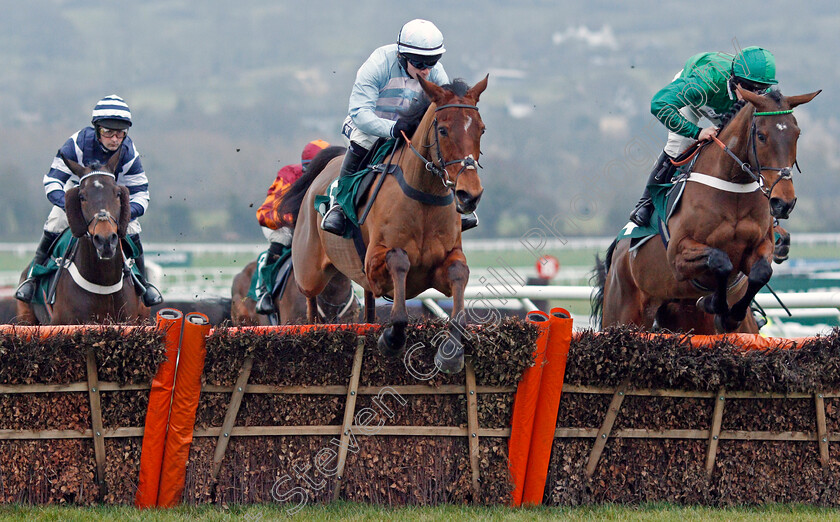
756,65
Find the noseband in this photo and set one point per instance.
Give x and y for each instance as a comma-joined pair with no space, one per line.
755,172
439,168
102,215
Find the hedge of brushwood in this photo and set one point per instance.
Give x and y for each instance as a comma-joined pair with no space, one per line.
425,469
746,472
58,471
384,469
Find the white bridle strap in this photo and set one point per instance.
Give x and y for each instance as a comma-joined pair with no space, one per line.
96,173
726,186
93,288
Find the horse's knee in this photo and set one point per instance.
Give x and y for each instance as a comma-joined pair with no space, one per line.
719,263
397,261
458,272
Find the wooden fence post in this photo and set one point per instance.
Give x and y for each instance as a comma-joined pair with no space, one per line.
714,431
349,414
822,432
472,424
606,428
96,421
230,416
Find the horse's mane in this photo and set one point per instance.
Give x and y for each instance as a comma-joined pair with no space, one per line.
774,95
414,113
294,197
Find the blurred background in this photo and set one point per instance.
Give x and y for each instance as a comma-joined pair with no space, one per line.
223,94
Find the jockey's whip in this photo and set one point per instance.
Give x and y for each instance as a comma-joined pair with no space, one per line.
779,300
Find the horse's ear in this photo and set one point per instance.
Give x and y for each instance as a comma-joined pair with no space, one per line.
125,211
801,98
74,167
73,209
756,100
477,89
434,92
113,161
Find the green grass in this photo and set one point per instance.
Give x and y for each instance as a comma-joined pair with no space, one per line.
351,511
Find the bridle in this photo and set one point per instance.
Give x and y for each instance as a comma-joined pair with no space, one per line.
102,215
755,172
438,168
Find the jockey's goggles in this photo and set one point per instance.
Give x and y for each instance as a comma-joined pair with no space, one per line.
758,88
422,62
111,133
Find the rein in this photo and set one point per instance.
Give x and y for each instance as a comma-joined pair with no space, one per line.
755,172
439,168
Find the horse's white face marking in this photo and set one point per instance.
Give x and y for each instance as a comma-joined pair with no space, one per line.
103,215
467,124
97,184
781,126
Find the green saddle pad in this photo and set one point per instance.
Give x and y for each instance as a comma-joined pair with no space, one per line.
665,197
44,273
345,189
267,272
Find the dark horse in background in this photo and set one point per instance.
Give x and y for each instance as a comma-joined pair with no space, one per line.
719,232
412,233
336,304
94,287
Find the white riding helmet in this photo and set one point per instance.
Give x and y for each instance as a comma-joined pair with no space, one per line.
420,37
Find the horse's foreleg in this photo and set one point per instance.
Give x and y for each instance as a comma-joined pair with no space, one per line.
396,262
312,310
760,274
694,259
453,275
370,307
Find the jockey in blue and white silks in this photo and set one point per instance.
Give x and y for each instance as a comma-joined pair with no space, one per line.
92,147
85,148
385,84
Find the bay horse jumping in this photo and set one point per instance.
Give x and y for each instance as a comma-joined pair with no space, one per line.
94,287
723,227
412,233
336,304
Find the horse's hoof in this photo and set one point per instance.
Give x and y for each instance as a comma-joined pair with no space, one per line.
725,324
450,365
390,345
704,304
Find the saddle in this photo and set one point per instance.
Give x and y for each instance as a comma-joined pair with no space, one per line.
277,272
60,257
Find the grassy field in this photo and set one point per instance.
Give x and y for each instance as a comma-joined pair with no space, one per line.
357,512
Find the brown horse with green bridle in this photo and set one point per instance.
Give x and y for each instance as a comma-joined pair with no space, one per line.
721,235
412,232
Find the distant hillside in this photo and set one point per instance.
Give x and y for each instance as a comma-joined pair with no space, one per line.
224,94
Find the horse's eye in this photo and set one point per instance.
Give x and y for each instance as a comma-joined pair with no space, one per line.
761,137
82,197
443,132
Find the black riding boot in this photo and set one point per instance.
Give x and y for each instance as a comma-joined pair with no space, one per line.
151,295
265,303
26,291
662,171
334,220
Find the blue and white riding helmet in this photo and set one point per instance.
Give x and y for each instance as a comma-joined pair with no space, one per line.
111,112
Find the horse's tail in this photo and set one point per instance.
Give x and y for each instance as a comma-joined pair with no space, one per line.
598,280
293,199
